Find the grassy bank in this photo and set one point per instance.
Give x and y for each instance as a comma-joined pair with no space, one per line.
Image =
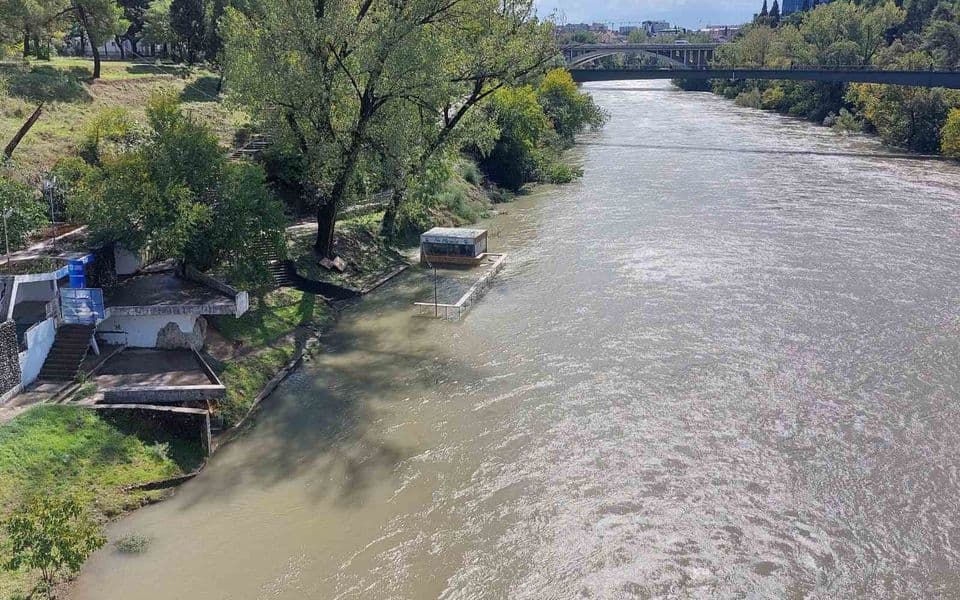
251,350
72,101
70,450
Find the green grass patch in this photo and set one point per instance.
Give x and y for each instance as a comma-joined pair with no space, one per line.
273,316
246,377
54,449
269,330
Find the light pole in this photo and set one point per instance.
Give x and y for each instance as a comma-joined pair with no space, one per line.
6,237
436,306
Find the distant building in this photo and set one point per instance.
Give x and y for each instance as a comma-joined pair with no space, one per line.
793,6
655,27
670,31
721,33
574,27
628,29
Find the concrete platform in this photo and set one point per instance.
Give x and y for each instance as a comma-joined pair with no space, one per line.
160,377
165,289
137,367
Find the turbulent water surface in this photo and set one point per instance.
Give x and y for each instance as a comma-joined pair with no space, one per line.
723,364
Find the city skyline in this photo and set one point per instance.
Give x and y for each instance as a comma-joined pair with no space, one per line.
685,13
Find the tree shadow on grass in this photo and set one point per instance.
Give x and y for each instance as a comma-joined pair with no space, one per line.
203,89
44,83
182,447
158,69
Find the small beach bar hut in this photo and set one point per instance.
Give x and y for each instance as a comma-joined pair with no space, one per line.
453,245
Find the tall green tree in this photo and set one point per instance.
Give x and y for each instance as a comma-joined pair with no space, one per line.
175,194
333,76
188,23
157,28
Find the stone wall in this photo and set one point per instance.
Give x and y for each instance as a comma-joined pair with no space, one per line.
9,357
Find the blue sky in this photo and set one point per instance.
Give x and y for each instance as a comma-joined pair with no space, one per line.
687,13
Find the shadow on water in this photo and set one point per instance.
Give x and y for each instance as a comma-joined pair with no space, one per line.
321,426
768,151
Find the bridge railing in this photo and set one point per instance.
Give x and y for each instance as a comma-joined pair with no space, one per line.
840,68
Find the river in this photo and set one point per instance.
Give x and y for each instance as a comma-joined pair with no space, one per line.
725,363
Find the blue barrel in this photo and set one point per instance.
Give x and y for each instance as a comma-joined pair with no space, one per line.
78,275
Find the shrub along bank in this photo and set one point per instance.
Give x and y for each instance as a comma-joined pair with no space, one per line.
912,35
72,451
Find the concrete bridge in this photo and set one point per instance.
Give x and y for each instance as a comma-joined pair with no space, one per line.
681,56
945,79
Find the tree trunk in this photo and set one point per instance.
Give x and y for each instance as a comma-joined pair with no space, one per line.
326,221
96,61
26,42
85,25
119,43
389,225
327,212
83,43
8,150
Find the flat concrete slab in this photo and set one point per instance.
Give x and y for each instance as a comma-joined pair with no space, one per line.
165,289
138,367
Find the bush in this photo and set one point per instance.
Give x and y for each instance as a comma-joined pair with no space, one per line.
471,172
28,212
133,543
570,111
848,122
749,99
950,135
772,98
113,129
175,194
556,171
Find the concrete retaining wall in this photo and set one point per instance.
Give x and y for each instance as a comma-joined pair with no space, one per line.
40,339
183,422
10,374
179,394
141,331
127,263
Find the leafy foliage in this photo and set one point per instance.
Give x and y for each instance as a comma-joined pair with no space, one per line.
27,212
919,35
175,194
52,535
535,125
369,94
950,135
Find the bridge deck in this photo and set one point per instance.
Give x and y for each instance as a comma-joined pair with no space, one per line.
945,79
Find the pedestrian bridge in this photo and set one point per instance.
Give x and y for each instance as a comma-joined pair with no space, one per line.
945,79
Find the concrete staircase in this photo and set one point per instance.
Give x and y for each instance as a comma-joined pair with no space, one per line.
68,351
280,272
251,150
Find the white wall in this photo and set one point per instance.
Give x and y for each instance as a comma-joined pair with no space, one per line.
127,262
141,331
39,341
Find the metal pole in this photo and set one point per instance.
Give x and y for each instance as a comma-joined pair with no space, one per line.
436,306
6,236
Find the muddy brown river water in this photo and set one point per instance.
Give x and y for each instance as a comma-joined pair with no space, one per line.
724,364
